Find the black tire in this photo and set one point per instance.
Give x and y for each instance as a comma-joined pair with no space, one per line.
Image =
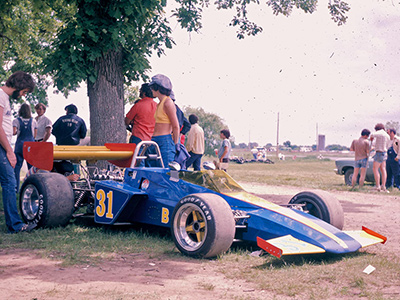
46,199
348,176
322,205
203,225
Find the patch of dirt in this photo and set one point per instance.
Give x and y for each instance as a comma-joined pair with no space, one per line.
25,275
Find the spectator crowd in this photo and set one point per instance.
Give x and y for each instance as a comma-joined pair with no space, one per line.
163,123
384,144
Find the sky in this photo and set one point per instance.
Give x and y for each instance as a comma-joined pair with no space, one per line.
319,77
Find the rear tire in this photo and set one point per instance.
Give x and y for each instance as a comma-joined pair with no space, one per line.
46,199
322,205
203,225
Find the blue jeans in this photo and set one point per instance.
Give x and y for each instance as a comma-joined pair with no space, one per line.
167,148
194,159
134,140
8,185
17,169
392,169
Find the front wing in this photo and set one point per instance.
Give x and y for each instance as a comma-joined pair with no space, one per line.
288,245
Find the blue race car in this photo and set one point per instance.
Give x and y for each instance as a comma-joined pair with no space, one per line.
206,210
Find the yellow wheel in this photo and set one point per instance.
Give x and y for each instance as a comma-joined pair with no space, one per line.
203,225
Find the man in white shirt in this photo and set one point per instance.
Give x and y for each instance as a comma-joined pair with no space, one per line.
380,140
195,144
43,124
17,85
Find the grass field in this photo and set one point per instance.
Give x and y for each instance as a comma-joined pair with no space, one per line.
83,242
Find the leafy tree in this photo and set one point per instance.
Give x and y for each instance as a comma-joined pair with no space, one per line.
212,125
268,145
190,12
393,125
287,144
242,145
26,27
253,145
107,43
336,147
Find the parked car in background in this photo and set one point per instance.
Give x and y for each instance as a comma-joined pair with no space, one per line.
345,166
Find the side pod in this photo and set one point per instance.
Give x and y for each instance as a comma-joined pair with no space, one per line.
115,202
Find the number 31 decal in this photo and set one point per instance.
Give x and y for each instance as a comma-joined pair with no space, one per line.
101,207
104,207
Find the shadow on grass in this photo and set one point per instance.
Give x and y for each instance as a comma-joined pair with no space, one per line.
308,259
147,229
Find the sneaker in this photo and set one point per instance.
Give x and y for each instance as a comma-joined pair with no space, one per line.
28,227
385,191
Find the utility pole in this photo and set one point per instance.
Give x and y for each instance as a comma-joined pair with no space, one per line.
249,140
277,137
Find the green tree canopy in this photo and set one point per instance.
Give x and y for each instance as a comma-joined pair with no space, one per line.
189,14
107,43
212,125
287,144
26,29
393,125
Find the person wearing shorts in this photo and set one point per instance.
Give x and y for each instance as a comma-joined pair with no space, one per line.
380,141
361,147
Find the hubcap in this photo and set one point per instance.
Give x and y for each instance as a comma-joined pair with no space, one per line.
190,227
30,202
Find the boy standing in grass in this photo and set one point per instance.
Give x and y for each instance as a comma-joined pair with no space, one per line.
225,150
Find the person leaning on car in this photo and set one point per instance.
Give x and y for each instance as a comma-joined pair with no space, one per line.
361,147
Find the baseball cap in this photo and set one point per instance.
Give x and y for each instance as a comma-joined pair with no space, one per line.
172,96
71,108
161,80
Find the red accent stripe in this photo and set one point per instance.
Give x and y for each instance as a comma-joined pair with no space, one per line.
373,233
271,249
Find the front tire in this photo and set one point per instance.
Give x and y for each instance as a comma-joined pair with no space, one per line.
46,199
203,225
348,176
322,205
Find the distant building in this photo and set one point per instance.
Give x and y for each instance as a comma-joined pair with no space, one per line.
321,142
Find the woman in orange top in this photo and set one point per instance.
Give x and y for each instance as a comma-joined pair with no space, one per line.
166,130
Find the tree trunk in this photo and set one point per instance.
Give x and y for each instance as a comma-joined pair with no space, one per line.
106,101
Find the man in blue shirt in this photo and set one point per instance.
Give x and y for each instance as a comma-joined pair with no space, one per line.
69,129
